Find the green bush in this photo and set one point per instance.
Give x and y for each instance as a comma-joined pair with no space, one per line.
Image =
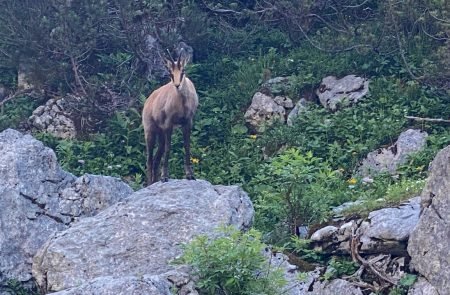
295,189
233,264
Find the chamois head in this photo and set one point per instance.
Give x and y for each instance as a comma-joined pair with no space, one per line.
176,69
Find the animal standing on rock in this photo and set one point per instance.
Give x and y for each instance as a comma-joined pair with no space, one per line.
172,105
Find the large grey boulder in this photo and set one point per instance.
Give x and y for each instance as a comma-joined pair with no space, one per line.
334,92
429,243
384,231
38,198
140,235
387,160
137,285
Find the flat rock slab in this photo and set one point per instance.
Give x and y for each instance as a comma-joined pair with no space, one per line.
142,285
384,231
334,92
141,235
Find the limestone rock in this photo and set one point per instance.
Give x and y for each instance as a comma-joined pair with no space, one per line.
334,92
422,287
429,243
394,223
294,286
387,160
385,231
53,118
299,107
335,287
140,235
264,111
137,285
324,233
34,195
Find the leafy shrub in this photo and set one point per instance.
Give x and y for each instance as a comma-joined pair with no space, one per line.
339,267
233,264
15,287
404,284
119,152
16,111
295,189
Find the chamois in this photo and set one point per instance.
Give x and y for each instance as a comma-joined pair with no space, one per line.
172,105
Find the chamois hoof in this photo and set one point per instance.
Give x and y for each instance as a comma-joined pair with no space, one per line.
164,179
190,177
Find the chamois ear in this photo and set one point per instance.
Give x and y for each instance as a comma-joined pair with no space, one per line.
182,58
169,61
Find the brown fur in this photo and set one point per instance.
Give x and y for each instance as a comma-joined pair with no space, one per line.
166,108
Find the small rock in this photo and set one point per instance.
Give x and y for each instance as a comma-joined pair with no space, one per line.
333,92
324,234
387,160
300,107
263,111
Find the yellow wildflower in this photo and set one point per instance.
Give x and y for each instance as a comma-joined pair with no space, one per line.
352,181
253,136
195,160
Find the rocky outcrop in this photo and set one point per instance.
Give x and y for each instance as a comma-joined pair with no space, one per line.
429,244
38,198
54,118
140,235
385,231
265,110
335,287
387,160
334,93
138,285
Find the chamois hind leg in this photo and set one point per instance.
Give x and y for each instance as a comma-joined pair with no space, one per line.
168,141
187,152
150,140
158,156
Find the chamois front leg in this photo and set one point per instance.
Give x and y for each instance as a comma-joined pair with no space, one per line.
168,140
158,156
187,152
150,144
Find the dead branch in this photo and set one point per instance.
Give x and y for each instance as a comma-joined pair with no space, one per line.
438,120
76,74
15,95
354,243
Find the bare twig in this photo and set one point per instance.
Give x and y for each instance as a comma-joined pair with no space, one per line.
15,95
357,5
76,74
399,42
367,264
438,120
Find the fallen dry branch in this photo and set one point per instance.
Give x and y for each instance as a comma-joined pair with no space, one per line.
427,119
368,264
15,95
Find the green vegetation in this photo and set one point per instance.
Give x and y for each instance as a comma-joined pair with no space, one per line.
233,263
293,174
